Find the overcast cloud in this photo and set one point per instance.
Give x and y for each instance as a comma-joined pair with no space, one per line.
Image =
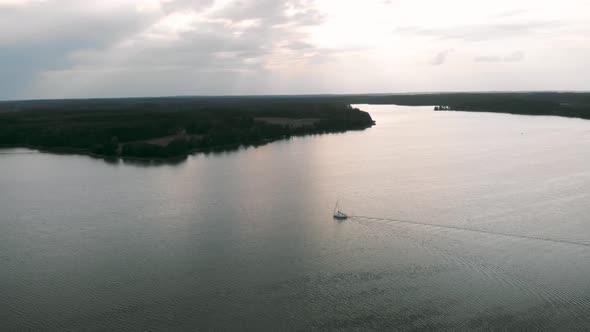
67,48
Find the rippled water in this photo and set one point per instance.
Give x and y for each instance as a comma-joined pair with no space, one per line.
464,221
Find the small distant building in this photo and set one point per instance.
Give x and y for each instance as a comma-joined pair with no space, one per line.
442,108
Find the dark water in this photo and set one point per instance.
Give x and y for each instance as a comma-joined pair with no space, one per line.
498,232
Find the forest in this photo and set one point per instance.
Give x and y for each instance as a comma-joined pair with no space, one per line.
166,127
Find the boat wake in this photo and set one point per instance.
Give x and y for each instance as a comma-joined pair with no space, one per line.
482,231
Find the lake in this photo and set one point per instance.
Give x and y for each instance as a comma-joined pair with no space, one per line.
460,221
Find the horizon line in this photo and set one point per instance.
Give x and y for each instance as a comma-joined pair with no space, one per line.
293,95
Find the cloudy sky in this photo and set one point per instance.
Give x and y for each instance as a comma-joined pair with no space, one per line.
111,48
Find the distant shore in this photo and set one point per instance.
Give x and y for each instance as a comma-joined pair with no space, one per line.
174,127
86,152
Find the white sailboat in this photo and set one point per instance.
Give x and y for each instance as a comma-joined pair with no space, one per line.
339,214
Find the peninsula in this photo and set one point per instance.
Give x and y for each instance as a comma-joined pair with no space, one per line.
170,127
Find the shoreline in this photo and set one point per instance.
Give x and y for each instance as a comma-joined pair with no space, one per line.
171,130
219,148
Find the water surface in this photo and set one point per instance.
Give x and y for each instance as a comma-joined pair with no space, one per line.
496,232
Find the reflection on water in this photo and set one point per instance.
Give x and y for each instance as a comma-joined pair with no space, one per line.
495,209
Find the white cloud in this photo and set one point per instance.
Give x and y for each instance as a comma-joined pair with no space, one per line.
71,48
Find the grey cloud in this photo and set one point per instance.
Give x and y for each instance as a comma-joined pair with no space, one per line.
440,58
175,5
215,44
196,51
113,43
39,22
41,37
298,45
272,12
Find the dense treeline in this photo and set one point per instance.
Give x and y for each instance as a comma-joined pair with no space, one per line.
567,104
571,104
128,127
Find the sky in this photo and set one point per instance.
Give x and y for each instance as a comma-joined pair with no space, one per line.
108,48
